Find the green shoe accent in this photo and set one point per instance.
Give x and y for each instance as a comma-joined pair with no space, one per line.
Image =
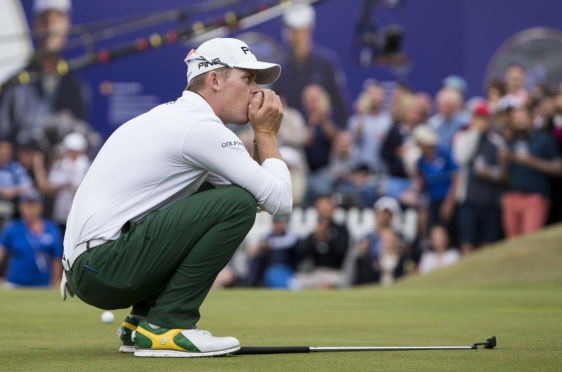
147,337
142,342
184,343
126,330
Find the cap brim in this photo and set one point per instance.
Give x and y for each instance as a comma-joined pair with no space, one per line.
267,73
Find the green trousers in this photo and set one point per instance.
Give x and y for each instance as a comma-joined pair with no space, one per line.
165,265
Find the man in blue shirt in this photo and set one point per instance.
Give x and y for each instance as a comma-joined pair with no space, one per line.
35,246
437,178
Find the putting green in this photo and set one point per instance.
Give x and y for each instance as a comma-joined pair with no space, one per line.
511,290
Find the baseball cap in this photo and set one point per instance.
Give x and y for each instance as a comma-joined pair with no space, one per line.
75,142
387,203
228,52
425,135
481,109
455,82
39,6
299,17
31,196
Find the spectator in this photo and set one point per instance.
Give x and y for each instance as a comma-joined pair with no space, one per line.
399,145
67,174
273,256
307,65
34,244
33,161
391,259
342,159
14,180
544,112
387,211
426,105
478,152
358,190
533,157
297,168
494,92
449,117
292,131
369,126
321,133
326,248
30,110
502,120
436,178
515,81
440,254
457,83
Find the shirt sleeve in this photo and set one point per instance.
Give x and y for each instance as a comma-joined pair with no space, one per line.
211,146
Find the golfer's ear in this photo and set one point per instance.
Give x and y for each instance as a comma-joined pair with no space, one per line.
213,80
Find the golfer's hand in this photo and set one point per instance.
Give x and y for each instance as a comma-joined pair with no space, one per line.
265,112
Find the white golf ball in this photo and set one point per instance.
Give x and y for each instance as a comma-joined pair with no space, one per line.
107,317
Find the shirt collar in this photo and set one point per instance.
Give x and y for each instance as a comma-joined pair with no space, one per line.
196,99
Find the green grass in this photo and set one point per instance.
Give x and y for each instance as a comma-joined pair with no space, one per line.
512,290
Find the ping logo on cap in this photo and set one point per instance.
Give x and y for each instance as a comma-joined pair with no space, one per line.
214,61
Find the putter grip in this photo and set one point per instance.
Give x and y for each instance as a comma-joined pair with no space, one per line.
272,349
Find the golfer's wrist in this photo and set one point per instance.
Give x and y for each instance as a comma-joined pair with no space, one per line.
260,137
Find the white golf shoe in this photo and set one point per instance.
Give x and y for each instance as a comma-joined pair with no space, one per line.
180,343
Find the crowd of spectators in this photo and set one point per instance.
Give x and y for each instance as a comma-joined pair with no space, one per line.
44,144
470,171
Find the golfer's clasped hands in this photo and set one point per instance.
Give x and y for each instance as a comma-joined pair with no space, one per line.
265,112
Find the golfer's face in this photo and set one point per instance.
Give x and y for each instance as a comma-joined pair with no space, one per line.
239,90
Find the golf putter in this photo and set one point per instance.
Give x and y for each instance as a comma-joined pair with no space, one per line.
489,344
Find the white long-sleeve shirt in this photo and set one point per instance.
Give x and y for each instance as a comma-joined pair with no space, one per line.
161,157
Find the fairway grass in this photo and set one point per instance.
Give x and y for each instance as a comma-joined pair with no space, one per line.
512,290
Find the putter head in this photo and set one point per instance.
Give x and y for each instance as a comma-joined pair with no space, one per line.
490,343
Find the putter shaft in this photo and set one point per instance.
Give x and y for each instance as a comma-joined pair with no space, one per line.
489,344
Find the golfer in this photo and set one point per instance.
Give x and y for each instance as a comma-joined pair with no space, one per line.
169,198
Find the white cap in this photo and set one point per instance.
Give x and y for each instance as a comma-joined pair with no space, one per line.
227,52
387,203
39,6
75,142
299,17
424,135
